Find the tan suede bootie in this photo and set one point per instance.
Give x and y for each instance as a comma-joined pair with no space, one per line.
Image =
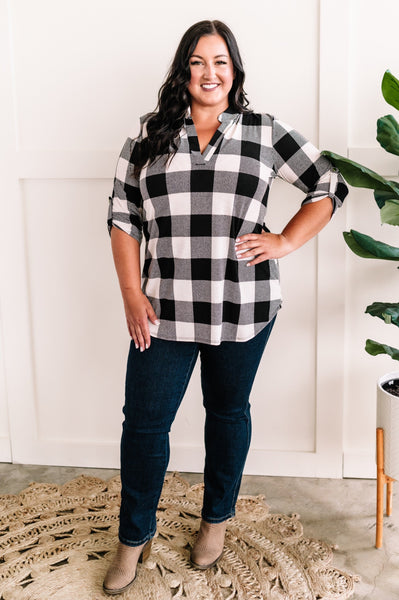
122,572
208,547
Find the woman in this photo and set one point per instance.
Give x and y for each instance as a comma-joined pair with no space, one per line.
195,182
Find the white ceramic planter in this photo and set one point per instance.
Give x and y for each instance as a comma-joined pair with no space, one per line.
388,419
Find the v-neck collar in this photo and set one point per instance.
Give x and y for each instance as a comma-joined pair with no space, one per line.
226,115
225,118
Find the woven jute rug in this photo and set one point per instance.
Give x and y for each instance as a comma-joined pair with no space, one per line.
56,542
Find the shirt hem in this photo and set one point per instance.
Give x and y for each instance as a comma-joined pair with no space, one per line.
203,341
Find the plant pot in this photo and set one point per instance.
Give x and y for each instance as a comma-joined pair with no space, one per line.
388,419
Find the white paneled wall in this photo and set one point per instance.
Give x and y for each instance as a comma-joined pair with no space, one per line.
76,77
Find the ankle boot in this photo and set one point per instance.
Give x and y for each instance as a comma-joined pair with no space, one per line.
122,572
208,547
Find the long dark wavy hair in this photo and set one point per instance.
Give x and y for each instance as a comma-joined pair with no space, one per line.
165,123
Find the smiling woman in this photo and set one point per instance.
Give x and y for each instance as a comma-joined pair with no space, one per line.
174,98
195,182
212,75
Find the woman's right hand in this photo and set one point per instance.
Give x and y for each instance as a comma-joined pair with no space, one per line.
138,311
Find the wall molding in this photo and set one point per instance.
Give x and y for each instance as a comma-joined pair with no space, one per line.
330,338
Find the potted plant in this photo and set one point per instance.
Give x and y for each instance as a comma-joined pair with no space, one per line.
386,195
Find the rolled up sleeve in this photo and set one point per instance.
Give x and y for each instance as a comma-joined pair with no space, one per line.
125,205
299,162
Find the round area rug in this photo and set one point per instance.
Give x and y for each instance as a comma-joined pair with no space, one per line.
56,542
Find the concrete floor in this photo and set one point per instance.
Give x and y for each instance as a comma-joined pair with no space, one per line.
338,511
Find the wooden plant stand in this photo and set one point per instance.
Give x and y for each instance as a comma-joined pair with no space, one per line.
382,479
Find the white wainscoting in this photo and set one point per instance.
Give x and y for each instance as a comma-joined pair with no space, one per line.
76,81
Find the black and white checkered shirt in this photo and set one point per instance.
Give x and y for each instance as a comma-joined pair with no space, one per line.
192,209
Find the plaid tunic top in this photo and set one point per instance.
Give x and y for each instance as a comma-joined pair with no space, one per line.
192,209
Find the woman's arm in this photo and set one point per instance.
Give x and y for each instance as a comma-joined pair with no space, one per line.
126,252
308,221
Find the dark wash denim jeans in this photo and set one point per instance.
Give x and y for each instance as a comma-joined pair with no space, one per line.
156,381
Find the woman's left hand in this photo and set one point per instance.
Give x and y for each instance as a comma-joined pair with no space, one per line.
258,247
305,224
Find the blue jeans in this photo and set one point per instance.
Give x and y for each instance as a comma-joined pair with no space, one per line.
156,381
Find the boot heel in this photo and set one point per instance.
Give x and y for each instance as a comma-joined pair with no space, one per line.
145,553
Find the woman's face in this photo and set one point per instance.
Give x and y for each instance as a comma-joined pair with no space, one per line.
212,73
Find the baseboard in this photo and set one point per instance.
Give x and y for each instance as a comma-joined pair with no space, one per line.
182,458
359,465
262,462
191,459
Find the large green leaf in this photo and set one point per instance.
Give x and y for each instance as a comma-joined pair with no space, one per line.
375,348
390,212
367,247
382,197
390,89
387,311
388,134
360,176
355,247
